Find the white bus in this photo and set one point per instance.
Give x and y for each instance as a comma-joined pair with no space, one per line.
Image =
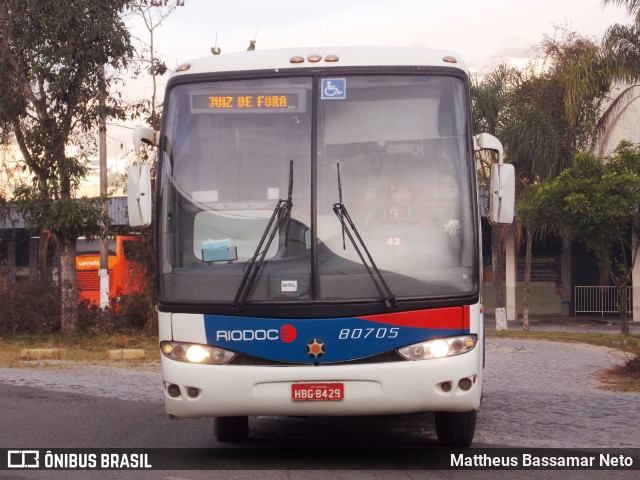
318,237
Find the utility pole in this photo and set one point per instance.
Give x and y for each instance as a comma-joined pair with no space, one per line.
103,273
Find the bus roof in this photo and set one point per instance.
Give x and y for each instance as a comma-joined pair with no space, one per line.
325,57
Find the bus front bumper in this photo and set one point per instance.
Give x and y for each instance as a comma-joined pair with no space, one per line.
368,389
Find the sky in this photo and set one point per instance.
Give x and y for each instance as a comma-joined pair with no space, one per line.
485,32
479,30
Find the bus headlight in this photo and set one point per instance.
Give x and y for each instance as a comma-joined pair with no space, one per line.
439,348
196,353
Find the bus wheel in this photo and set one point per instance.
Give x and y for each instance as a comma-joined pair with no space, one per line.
231,429
455,429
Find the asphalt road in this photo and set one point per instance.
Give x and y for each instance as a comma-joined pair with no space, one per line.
537,394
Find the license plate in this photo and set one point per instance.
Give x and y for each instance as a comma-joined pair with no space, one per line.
318,392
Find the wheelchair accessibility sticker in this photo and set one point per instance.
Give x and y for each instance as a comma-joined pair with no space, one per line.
334,89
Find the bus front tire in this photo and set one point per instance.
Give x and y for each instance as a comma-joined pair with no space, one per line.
231,429
455,429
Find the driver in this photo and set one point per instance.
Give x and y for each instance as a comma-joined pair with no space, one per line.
400,207
401,195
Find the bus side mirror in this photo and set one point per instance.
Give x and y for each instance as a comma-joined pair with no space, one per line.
139,181
139,195
503,193
502,196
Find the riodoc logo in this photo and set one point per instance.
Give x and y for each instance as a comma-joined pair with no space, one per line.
286,333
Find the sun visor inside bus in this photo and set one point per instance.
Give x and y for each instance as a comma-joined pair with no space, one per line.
413,119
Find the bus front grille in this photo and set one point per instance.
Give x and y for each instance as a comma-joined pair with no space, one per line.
385,357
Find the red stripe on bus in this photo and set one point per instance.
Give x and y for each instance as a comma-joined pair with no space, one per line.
439,318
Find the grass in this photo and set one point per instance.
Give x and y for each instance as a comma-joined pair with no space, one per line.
611,340
621,378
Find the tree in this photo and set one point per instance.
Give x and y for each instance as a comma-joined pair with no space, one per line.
533,214
539,138
616,62
597,202
525,110
50,56
491,97
632,5
153,15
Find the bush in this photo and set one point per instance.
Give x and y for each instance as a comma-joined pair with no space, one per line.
31,305
131,313
632,364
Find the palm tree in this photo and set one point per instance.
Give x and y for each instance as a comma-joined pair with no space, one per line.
621,46
490,97
632,5
616,62
537,136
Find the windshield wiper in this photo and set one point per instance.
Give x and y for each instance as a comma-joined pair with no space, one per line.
352,232
280,215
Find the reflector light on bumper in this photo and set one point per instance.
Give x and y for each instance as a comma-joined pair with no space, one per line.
439,348
195,353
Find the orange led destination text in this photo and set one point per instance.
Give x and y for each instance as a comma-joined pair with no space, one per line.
248,101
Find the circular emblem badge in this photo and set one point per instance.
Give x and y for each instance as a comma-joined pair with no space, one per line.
315,348
288,333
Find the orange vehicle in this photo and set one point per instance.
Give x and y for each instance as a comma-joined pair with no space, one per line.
126,274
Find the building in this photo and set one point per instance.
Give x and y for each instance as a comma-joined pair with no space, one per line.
19,247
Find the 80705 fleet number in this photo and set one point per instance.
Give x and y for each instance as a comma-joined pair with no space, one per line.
370,332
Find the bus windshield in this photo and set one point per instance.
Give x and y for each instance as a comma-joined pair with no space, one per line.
232,151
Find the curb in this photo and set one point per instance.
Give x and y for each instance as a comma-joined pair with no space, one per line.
126,354
42,353
59,354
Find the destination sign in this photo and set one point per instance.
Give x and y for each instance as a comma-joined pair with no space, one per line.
236,102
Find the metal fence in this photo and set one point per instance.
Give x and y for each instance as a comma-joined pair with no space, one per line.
600,300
